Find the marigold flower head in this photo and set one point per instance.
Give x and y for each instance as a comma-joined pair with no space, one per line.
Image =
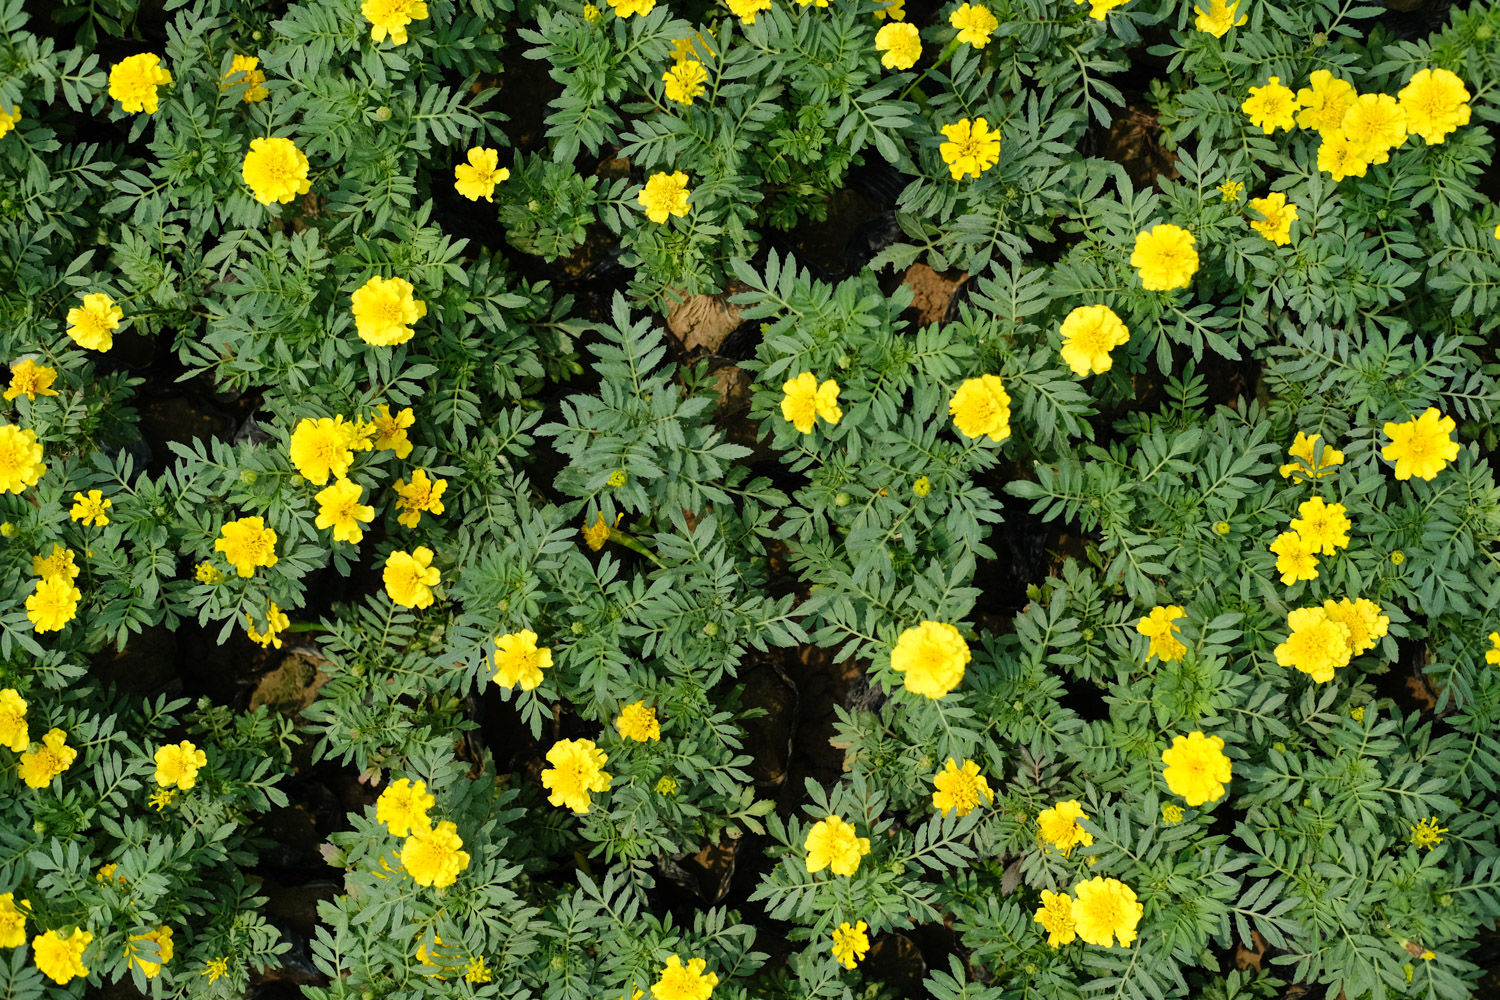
1279,216
981,407
1056,918
91,509
162,798
320,448
1375,124
58,563
596,534
403,806
1230,190
1362,618
804,401
410,576
577,769
390,17
1196,768
1089,334
1307,464
92,326
385,309
664,195
1420,447
975,24
1272,107
31,379
901,43
433,856
276,170
276,622
339,508
894,9
971,149
593,15
1171,813
38,767
245,71
152,952
134,79
421,496
1058,828
9,118
637,721
178,765
1357,714
21,462
1099,8
207,572
1159,626
960,788
1427,833
627,8
1105,909
12,921
1324,103
665,785
1219,18
1164,257
850,944
833,844
477,971
60,958
685,81
931,658
1491,656
679,982
1296,557
477,178
518,660
53,604
1436,103
246,544
1325,526
14,732
1340,158
1317,646
215,969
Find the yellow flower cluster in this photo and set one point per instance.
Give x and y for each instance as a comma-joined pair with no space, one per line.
385,309
833,844
1089,334
177,765
638,722
1219,18
410,576
960,788
931,658
1326,638
1307,463
850,944
518,661
664,195
1321,528
684,982
577,770
275,170
31,380
133,82
1422,446
804,401
477,178
45,761
276,622
971,147
245,71
1196,768
1159,626
1058,829
431,855
390,17
92,326
1101,911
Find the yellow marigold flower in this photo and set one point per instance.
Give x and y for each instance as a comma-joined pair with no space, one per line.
276,170
1058,828
975,24
245,71
1219,18
1230,190
1089,333
1171,813
53,605
91,509
106,873
385,309
746,10
403,806
215,968
1317,646
1427,833
980,407
477,178
577,769
1357,714
8,119
592,14
1436,102
410,576
1307,465
804,401
1296,557
476,971
664,195
1164,257
38,767
685,81
433,856
7,530
625,8
208,573
12,921
922,486
134,79
1196,768
390,431
1398,557
92,327
638,722
178,765
60,958
1340,158
276,622
931,657
1279,216
596,534
1105,909
1375,124
1362,618
1099,8
1325,526
1420,447
391,17
14,732
618,478
339,508
831,843
1272,107
159,800
960,788
665,785
901,43
59,563
971,148
1325,103
895,10
421,496
518,660
26,376
1056,918
246,544
850,944
320,448
21,462
679,982
1491,656
1159,626
155,951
